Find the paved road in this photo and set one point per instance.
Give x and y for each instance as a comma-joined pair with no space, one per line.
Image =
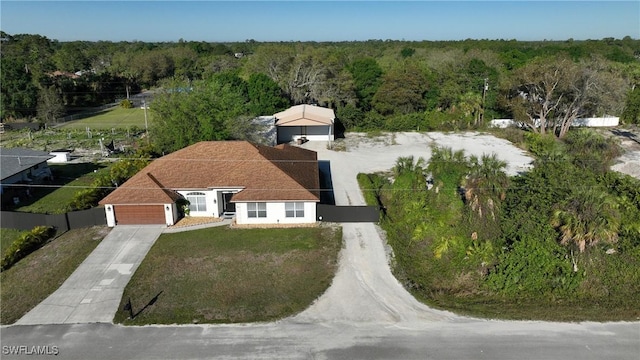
93,292
287,340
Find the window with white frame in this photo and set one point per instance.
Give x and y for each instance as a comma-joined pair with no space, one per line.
294,209
197,201
257,210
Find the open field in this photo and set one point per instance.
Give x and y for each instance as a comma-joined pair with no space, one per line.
38,275
115,118
223,274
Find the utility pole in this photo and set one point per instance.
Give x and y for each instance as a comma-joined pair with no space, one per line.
484,95
146,125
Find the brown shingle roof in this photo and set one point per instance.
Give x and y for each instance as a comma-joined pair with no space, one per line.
280,173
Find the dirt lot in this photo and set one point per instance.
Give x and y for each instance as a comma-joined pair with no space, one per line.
629,162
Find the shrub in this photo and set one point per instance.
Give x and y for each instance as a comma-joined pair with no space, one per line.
126,104
26,244
536,268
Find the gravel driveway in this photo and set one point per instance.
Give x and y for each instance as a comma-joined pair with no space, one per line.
364,289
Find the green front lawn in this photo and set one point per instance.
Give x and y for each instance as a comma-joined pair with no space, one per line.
38,275
116,118
7,237
221,275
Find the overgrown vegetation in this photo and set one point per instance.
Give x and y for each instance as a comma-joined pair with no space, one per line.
560,242
221,275
38,275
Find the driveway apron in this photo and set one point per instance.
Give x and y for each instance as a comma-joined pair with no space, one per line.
92,293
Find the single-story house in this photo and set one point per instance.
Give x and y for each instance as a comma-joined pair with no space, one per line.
19,165
309,122
255,183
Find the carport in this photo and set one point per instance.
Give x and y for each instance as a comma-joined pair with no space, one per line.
305,123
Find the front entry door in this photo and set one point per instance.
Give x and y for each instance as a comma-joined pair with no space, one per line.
228,206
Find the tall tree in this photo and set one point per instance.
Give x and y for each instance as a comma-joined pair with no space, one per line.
208,110
401,92
547,95
265,96
19,95
50,105
367,77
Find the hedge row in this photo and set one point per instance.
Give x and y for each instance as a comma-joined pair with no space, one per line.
27,243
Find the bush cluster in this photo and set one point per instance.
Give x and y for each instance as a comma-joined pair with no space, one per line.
27,243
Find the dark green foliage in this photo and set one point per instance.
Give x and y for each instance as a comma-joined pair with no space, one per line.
631,112
350,116
407,52
265,95
536,268
18,92
401,92
107,182
366,75
206,111
26,244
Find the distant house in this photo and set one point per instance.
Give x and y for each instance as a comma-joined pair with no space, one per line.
305,122
257,184
24,166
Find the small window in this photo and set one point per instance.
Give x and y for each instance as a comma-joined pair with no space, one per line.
257,210
197,201
294,210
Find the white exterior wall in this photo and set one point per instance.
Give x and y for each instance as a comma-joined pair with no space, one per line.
210,196
213,200
60,157
276,214
111,216
587,122
313,133
597,122
170,215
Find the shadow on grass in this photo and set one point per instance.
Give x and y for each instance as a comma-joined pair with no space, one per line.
128,307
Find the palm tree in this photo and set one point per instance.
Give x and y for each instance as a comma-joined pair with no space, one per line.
407,165
587,218
486,184
447,166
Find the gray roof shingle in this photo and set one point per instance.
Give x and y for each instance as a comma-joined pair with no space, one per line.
16,160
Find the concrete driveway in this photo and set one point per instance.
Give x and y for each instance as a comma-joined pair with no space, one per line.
92,293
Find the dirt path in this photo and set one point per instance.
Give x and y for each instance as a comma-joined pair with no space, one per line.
364,289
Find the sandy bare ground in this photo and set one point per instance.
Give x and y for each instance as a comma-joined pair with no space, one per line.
629,162
364,289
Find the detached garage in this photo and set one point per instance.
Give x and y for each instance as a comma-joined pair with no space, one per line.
308,122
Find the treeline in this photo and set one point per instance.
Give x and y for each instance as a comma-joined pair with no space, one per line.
559,242
393,85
